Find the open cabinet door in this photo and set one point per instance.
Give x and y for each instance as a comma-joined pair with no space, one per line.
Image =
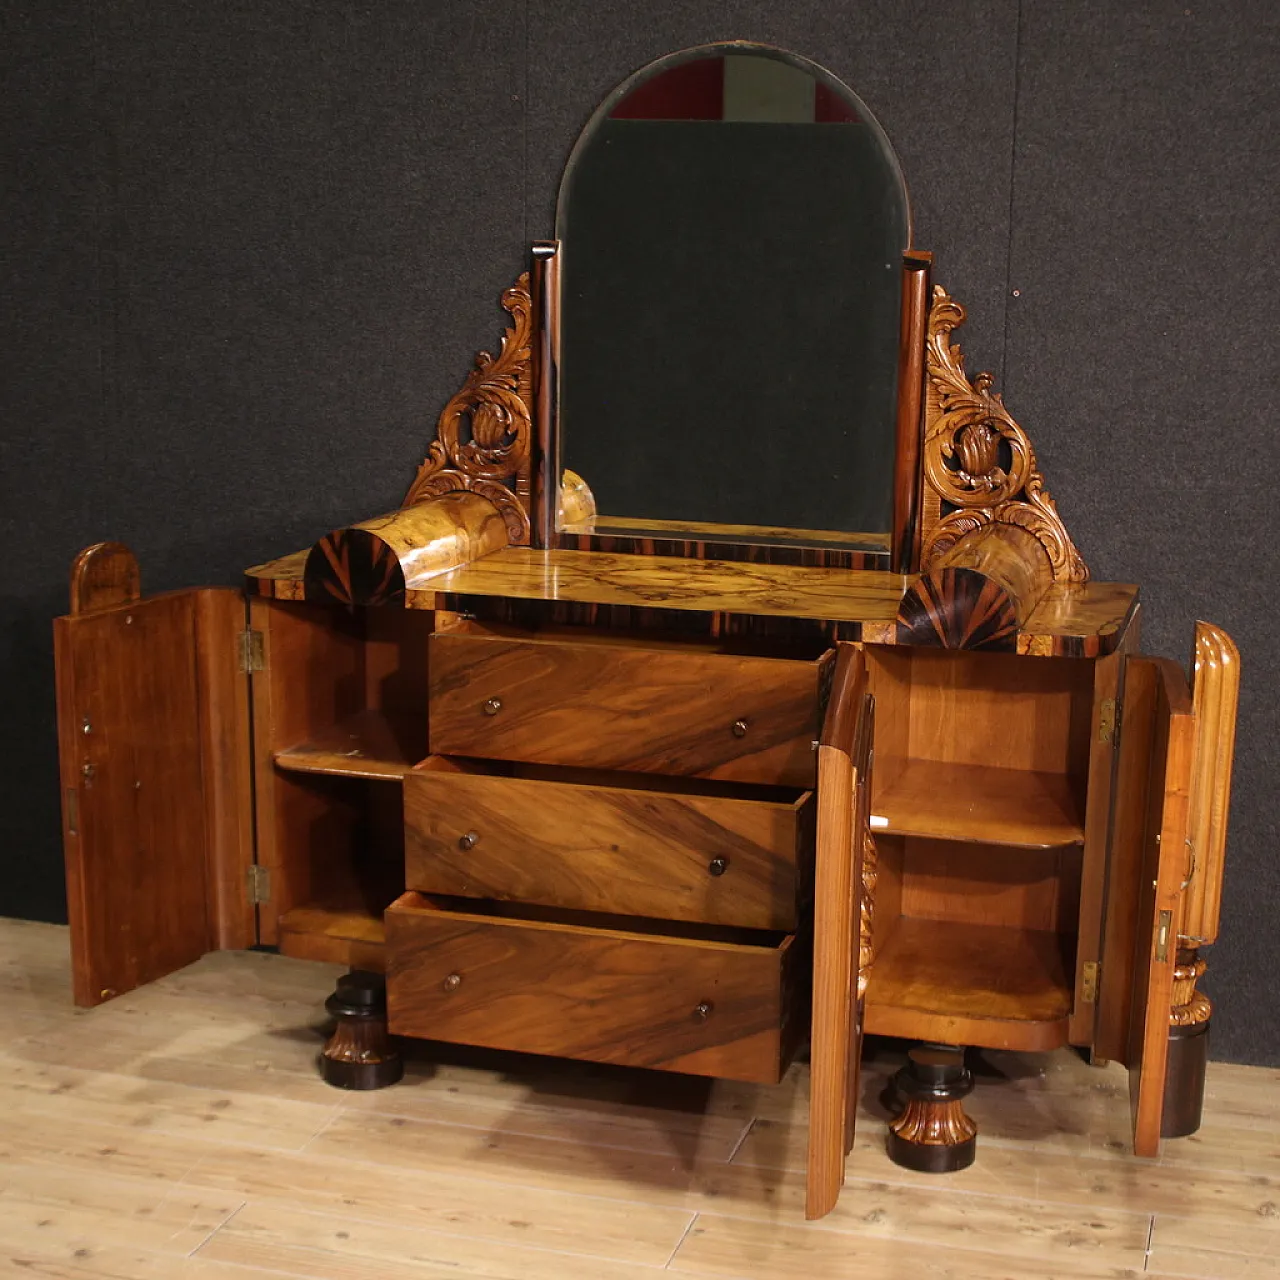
153,735
844,762
1164,868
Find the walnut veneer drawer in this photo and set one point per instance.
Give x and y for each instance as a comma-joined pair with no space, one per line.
617,706
601,995
675,855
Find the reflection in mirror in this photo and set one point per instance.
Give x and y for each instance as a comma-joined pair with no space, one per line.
732,223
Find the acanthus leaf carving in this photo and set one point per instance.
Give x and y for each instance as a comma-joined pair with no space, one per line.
978,461
495,403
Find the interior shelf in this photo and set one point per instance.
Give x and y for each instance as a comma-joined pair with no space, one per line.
979,803
976,984
346,930
365,745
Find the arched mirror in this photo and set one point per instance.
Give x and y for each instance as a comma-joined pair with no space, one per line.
732,224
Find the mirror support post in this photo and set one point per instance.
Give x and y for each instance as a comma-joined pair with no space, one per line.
545,280
916,271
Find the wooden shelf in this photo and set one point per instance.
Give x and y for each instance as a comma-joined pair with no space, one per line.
971,984
347,932
979,804
366,745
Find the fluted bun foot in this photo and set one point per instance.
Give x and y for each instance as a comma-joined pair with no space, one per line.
932,1134
359,1054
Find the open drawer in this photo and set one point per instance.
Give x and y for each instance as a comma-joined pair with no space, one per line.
675,849
599,703
709,1005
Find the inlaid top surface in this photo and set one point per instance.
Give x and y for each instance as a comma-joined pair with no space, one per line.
1082,620
674,582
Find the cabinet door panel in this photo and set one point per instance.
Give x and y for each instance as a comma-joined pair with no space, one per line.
147,715
1163,868
843,822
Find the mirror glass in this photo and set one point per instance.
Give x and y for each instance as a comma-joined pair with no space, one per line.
732,224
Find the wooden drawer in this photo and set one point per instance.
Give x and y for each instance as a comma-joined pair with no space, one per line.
601,995
599,705
674,855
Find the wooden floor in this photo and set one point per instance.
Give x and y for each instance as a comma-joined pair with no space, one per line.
181,1132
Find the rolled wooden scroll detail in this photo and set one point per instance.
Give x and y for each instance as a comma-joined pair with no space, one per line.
378,560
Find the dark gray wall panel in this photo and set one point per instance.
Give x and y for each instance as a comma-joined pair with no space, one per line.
1144,239
942,90
301,218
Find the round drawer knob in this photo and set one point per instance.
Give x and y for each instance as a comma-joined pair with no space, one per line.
739,728
453,982
702,1010
469,841
718,866
492,706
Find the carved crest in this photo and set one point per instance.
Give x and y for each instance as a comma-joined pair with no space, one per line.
979,465
483,434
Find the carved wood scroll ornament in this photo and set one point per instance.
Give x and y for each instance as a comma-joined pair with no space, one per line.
496,404
978,461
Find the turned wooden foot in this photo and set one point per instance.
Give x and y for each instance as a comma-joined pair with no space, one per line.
1188,1048
933,1134
359,1054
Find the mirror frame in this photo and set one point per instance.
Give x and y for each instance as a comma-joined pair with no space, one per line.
856,550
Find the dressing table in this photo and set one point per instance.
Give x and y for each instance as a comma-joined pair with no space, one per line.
727,681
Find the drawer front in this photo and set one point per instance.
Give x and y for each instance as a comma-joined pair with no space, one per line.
608,706
670,856
639,1000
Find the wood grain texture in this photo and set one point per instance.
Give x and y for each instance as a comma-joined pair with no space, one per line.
1215,697
620,706
104,575
707,532
957,608
1108,681
972,802
375,561
1163,869
1135,760
134,813
368,744
132,1134
672,856
836,1036
1079,620
602,995
990,884
226,732
909,425
670,582
347,933
484,435
977,460
969,984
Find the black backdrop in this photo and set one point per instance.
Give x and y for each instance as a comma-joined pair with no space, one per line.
250,247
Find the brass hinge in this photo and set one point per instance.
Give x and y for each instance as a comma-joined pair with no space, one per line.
1108,719
1089,982
249,652
259,884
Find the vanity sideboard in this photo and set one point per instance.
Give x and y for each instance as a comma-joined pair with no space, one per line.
667,794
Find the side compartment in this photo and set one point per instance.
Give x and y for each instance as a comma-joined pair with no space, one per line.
153,727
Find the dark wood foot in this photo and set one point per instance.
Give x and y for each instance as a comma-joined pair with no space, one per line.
933,1134
1188,1048
359,1054
1184,1080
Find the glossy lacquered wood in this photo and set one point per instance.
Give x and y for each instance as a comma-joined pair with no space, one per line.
103,575
376,561
673,855
600,994
625,706
1164,867
844,761
148,725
